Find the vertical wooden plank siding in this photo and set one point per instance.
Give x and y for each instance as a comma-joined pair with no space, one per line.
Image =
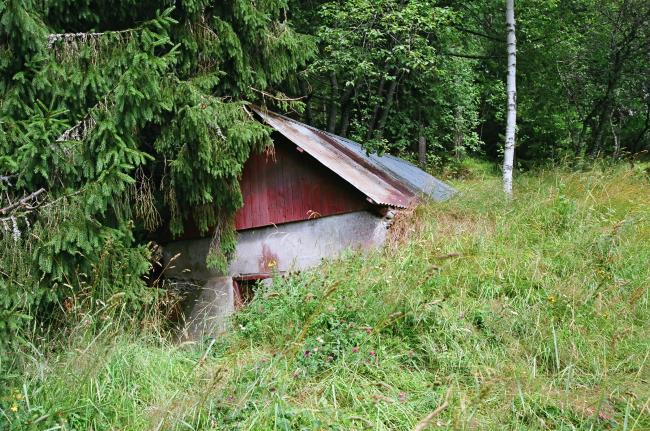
292,186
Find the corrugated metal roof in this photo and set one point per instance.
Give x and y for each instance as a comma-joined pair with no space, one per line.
386,180
420,182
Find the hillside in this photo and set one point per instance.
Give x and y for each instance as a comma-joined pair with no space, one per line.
531,314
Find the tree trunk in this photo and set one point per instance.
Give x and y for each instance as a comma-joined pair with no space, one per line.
345,120
511,83
304,89
635,145
346,107
459,136
331,122
422,148
375,114
387,105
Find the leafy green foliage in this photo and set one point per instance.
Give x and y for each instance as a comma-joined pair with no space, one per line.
389,72
582,90
385,77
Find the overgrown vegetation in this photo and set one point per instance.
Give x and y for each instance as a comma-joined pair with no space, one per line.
126,121
122,121
531,314
117,122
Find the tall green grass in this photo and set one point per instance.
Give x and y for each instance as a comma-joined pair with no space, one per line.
530,314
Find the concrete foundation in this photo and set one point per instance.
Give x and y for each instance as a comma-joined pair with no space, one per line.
209,309
284,248
268,250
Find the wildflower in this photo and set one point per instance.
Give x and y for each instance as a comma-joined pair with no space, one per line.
355,349
552,299
315,349
330,358
307,353
372,353
402,397
320,340
19,396
14,408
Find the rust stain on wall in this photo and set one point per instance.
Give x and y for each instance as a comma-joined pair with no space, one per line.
268,260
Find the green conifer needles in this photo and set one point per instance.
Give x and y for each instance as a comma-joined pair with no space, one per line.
133,120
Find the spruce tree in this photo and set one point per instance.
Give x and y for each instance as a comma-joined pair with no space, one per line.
132,119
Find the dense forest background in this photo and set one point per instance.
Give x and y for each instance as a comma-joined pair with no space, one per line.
120,119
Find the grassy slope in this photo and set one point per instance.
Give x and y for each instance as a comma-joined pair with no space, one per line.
530,315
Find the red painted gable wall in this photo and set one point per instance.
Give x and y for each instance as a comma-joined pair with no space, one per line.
292,186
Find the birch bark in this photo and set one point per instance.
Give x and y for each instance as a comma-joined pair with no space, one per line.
511,85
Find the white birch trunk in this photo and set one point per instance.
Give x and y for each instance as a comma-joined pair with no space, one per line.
511,122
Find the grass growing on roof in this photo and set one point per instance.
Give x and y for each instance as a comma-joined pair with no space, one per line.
531,314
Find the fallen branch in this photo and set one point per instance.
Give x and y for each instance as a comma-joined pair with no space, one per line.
424,423
79,131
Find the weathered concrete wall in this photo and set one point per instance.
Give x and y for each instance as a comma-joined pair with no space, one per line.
209,308
283,248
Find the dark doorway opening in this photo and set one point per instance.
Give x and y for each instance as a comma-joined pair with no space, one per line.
245,287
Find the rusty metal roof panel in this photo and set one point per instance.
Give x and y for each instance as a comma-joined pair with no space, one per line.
418,180
386,180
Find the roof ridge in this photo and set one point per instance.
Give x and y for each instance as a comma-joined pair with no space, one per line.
384,179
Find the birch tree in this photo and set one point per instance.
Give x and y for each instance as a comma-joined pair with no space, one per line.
511,83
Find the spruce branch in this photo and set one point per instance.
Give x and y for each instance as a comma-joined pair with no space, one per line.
29,202
79,131
75,38
277,98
